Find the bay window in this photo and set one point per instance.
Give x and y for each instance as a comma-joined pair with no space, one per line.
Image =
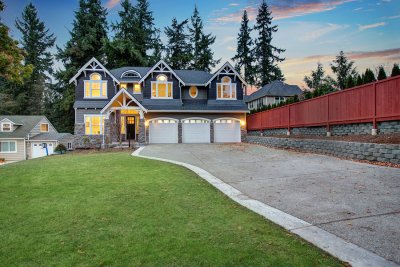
8,147
94,124
161,88
226,89
95,87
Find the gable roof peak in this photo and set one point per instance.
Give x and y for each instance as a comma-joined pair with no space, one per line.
93,65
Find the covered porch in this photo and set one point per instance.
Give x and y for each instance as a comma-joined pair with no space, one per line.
124,122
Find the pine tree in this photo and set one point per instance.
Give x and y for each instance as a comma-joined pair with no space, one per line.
124,50
244,57
36,41
145,26
343,68
178,47
381,73
359,80
350,83
395,70
13,73
202,57
157,48
369,76
88,39
316,78
266,54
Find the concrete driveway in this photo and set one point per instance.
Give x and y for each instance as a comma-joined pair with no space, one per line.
357,202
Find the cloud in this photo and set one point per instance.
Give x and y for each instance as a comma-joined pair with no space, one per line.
316,33
394,17
281,9
234,4
371,26
112,3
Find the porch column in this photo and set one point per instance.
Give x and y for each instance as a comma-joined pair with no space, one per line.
107,133
142,131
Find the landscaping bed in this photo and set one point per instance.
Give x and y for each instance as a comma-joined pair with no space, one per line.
94,209
377,139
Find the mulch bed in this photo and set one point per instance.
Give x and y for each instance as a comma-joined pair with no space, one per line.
378,139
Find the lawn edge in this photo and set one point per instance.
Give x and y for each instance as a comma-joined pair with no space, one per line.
334,245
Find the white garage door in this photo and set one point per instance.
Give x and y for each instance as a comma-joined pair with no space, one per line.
163,131
195,131
39,149
227,131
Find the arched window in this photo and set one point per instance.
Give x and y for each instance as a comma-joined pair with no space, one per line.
131,74
95,87
193,91
161,88
226,89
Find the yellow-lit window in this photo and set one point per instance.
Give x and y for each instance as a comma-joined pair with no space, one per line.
193,91
94,124
123,86
44,127
226,89
136,88
95,87
161,88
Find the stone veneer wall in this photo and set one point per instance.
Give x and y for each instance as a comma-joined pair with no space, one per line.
388,127
351,150
86,141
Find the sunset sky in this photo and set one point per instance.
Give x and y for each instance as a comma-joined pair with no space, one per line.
311,31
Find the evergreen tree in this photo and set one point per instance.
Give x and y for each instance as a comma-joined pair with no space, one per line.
244,57
13,73
343,68
36,41
124,49
359,80
395,70
350,83
202,53
265,53
178,47
369,76
157,48
381,73
88,39
146,35
317,77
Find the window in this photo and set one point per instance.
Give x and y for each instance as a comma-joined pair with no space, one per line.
8,147
136,88
130,74
161,88
195,121
94,124
164,121
95,87
223,121
193,91
44,127
226,89
69,146
279,99
6,127
123,86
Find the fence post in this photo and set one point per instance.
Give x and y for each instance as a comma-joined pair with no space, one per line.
374,126
328,127
288,130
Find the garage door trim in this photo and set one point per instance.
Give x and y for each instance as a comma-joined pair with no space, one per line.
236,137
201,129
150,121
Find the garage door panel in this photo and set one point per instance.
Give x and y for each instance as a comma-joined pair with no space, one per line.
196,132
227,131
163,133
38,150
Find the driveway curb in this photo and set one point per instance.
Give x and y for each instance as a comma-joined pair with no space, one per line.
336,246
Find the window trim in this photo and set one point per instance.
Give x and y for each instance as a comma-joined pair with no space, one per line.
231,85
69,146
279,101
40,127
166,82
90,89
9,152
140,91
197,91
11,127
102,118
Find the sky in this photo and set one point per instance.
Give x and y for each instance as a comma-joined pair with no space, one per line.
311,31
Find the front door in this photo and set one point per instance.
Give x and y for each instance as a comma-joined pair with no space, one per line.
130,128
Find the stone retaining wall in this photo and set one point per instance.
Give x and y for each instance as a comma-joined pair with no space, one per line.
351,150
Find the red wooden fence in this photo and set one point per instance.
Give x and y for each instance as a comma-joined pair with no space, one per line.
373,102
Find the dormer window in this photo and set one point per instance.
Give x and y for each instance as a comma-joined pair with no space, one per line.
6,127
131,74
95,87
44,127
226,90
161,88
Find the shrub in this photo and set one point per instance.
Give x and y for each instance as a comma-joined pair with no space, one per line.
60,148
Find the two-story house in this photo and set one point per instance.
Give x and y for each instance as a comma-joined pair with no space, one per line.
158,105
26,137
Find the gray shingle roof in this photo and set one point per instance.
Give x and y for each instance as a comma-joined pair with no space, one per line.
91,104
276,88
27,123
201,105
51,136
118,72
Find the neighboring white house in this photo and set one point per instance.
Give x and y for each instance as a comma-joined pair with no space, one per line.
272,93
26,137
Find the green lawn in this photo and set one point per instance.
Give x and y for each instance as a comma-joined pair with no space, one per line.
113,209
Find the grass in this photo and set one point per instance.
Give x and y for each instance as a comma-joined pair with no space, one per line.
113,209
